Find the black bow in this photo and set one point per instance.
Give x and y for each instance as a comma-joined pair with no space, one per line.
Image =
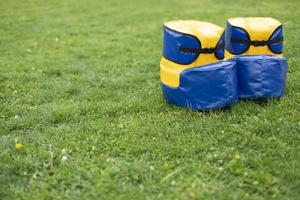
256,43
203,50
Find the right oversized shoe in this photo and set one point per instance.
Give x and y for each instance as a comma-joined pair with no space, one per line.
256,45
192,72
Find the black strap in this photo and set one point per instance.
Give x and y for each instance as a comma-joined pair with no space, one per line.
203,51
256,43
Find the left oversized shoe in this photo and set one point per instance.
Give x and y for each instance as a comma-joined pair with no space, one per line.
256,45
192,72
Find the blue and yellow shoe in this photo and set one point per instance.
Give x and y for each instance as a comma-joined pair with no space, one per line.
192,72
256,44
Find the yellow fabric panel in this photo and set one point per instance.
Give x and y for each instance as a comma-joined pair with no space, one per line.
209,35
170,71
258,28
228,55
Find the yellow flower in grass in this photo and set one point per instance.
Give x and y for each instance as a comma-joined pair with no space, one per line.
237,157
19,146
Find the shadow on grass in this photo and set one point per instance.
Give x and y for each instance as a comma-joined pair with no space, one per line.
229,108
225,109
262,102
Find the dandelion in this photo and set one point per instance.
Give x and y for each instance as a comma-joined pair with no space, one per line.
237,157
19,146
193,195
152,168
64,159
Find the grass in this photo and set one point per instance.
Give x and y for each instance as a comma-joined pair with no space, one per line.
81,79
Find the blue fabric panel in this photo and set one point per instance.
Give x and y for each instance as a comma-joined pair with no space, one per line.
261,76
239,33
220,52
206,87
277,47
173,41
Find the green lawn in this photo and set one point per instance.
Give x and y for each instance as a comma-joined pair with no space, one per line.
81,79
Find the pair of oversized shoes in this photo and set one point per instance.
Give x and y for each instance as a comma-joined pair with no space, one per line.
205,68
